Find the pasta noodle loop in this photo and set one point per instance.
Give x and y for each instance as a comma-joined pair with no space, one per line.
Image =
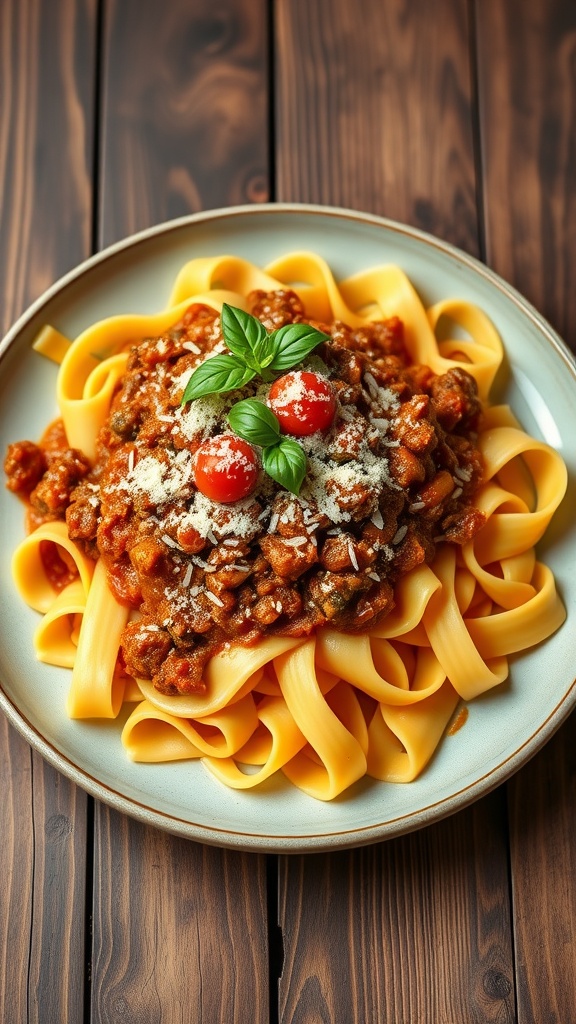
272,745
218,735
451,642
401,745
96,690
29,569
56,637
342,759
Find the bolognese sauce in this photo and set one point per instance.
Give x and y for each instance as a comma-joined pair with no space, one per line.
392,467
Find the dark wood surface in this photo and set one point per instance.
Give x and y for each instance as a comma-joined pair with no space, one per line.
458,117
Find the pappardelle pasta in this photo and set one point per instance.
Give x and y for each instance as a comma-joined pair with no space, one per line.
281,521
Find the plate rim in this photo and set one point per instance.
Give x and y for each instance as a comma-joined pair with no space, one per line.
259,209
308,842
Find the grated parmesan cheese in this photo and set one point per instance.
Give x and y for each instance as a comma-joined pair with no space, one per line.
199,419
352,554
222,521
377,519
399,535
160,477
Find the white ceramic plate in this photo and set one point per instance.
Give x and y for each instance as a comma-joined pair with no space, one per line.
504,728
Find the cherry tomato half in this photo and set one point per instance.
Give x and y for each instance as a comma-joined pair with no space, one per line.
303,402
225,468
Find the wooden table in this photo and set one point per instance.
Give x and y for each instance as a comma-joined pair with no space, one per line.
458,117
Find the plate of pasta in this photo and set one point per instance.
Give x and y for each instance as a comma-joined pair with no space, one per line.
287,544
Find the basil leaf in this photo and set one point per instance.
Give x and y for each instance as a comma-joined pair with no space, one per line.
285,462
244,335
292,343
254,422
215,375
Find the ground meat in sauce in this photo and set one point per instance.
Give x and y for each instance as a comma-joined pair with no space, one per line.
24,465
392,477
46,477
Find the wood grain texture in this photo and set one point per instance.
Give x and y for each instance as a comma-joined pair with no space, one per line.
46,102
16,867
42,896
185,109
58,954
416,929
527,91
180,930
527,53
373,111
543,852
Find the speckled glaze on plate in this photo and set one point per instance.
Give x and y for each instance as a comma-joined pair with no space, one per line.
504,728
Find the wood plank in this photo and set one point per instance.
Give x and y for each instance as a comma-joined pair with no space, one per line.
373,111
180,930
543,853
16,865
56,976
185,109
528,52
46,101
389,128
46,75
416,929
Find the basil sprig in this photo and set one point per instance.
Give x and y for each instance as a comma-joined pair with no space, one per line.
218,374
285,462
283,459
254,422
253,353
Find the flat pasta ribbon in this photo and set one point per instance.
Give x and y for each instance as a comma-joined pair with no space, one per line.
272,745
56,637
29,571
480,354
518,628
402,743
501,447
154,736
96,689
223,274
51,343
342,760
229,675
450,640
371,664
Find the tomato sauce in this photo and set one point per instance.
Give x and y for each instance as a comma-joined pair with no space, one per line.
391,471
